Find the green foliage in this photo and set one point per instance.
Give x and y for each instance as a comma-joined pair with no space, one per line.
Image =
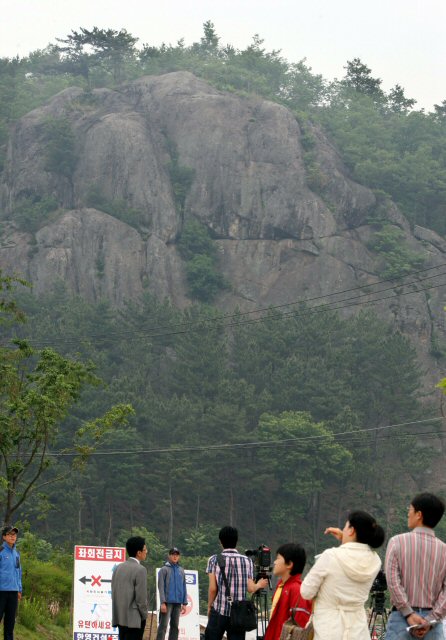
181,177
85,49
200,541
195,240
46,580
32,213
32,611
195,384
198,249
359,78
117,208
317,180
47,583
203,279
37,391
399,259
61,155
31,546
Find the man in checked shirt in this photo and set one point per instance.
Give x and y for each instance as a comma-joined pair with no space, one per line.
416,573
239,573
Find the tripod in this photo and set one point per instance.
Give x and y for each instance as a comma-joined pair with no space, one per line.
378,615
260,599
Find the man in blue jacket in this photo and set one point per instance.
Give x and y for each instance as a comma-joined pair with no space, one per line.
10,580
173,595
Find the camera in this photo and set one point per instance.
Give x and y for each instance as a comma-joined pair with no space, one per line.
379,584
261,558
378,592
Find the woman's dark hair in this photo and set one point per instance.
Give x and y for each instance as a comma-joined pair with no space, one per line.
228,537
367,529
294,553
432,508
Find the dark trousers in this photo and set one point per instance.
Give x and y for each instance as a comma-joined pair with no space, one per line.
131,633
172,616
8,609
218,624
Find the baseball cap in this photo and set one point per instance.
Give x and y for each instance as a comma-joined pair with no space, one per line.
174,550
8,529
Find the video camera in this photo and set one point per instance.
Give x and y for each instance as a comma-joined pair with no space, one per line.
261,558
378,592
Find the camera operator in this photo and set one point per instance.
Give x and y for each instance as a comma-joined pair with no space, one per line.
239,573
288,566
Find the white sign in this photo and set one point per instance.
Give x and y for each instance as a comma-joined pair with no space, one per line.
189,626
92,610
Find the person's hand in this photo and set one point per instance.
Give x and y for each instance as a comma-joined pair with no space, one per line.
19,595
262,584
415,618
163,608
334,531
183,609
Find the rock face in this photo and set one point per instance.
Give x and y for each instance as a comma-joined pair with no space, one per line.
289,222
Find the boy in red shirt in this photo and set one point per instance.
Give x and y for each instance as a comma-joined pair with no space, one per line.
288,566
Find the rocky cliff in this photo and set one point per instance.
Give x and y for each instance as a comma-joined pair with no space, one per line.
288,220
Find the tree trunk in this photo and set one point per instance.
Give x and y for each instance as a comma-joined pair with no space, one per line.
197,516
109,525
170,536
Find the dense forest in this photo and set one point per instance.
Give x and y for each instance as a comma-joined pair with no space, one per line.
273,422
276,422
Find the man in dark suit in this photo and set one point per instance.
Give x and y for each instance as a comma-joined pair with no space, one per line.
129,592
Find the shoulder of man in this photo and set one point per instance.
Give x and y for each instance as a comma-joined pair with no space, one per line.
400,537
212,563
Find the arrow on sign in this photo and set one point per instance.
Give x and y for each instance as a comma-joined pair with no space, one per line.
95,580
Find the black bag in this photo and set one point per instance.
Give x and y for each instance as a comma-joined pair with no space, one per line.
243,616
243,612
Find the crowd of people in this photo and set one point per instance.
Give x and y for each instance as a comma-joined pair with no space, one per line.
333,594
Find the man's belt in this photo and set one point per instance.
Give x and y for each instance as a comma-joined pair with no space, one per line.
413,606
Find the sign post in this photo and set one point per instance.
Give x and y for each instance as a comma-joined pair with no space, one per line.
92,610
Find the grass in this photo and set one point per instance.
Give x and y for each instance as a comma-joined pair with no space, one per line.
49,632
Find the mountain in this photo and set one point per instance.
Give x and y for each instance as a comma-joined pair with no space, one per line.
98,186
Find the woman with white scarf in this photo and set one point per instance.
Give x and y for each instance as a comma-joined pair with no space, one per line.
341,578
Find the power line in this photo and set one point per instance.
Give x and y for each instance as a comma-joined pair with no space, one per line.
204,324
247,445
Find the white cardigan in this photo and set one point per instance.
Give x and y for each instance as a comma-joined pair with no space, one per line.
340,582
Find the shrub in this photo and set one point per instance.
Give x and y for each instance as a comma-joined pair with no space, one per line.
61,156
117,208
32,611
181,177
46,580
399,259
63,618
197,248
33,212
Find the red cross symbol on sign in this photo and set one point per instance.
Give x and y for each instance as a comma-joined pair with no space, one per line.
95,581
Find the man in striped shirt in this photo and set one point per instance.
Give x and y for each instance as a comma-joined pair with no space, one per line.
416,573
239,574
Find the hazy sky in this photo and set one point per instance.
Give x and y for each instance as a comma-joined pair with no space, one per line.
402,41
